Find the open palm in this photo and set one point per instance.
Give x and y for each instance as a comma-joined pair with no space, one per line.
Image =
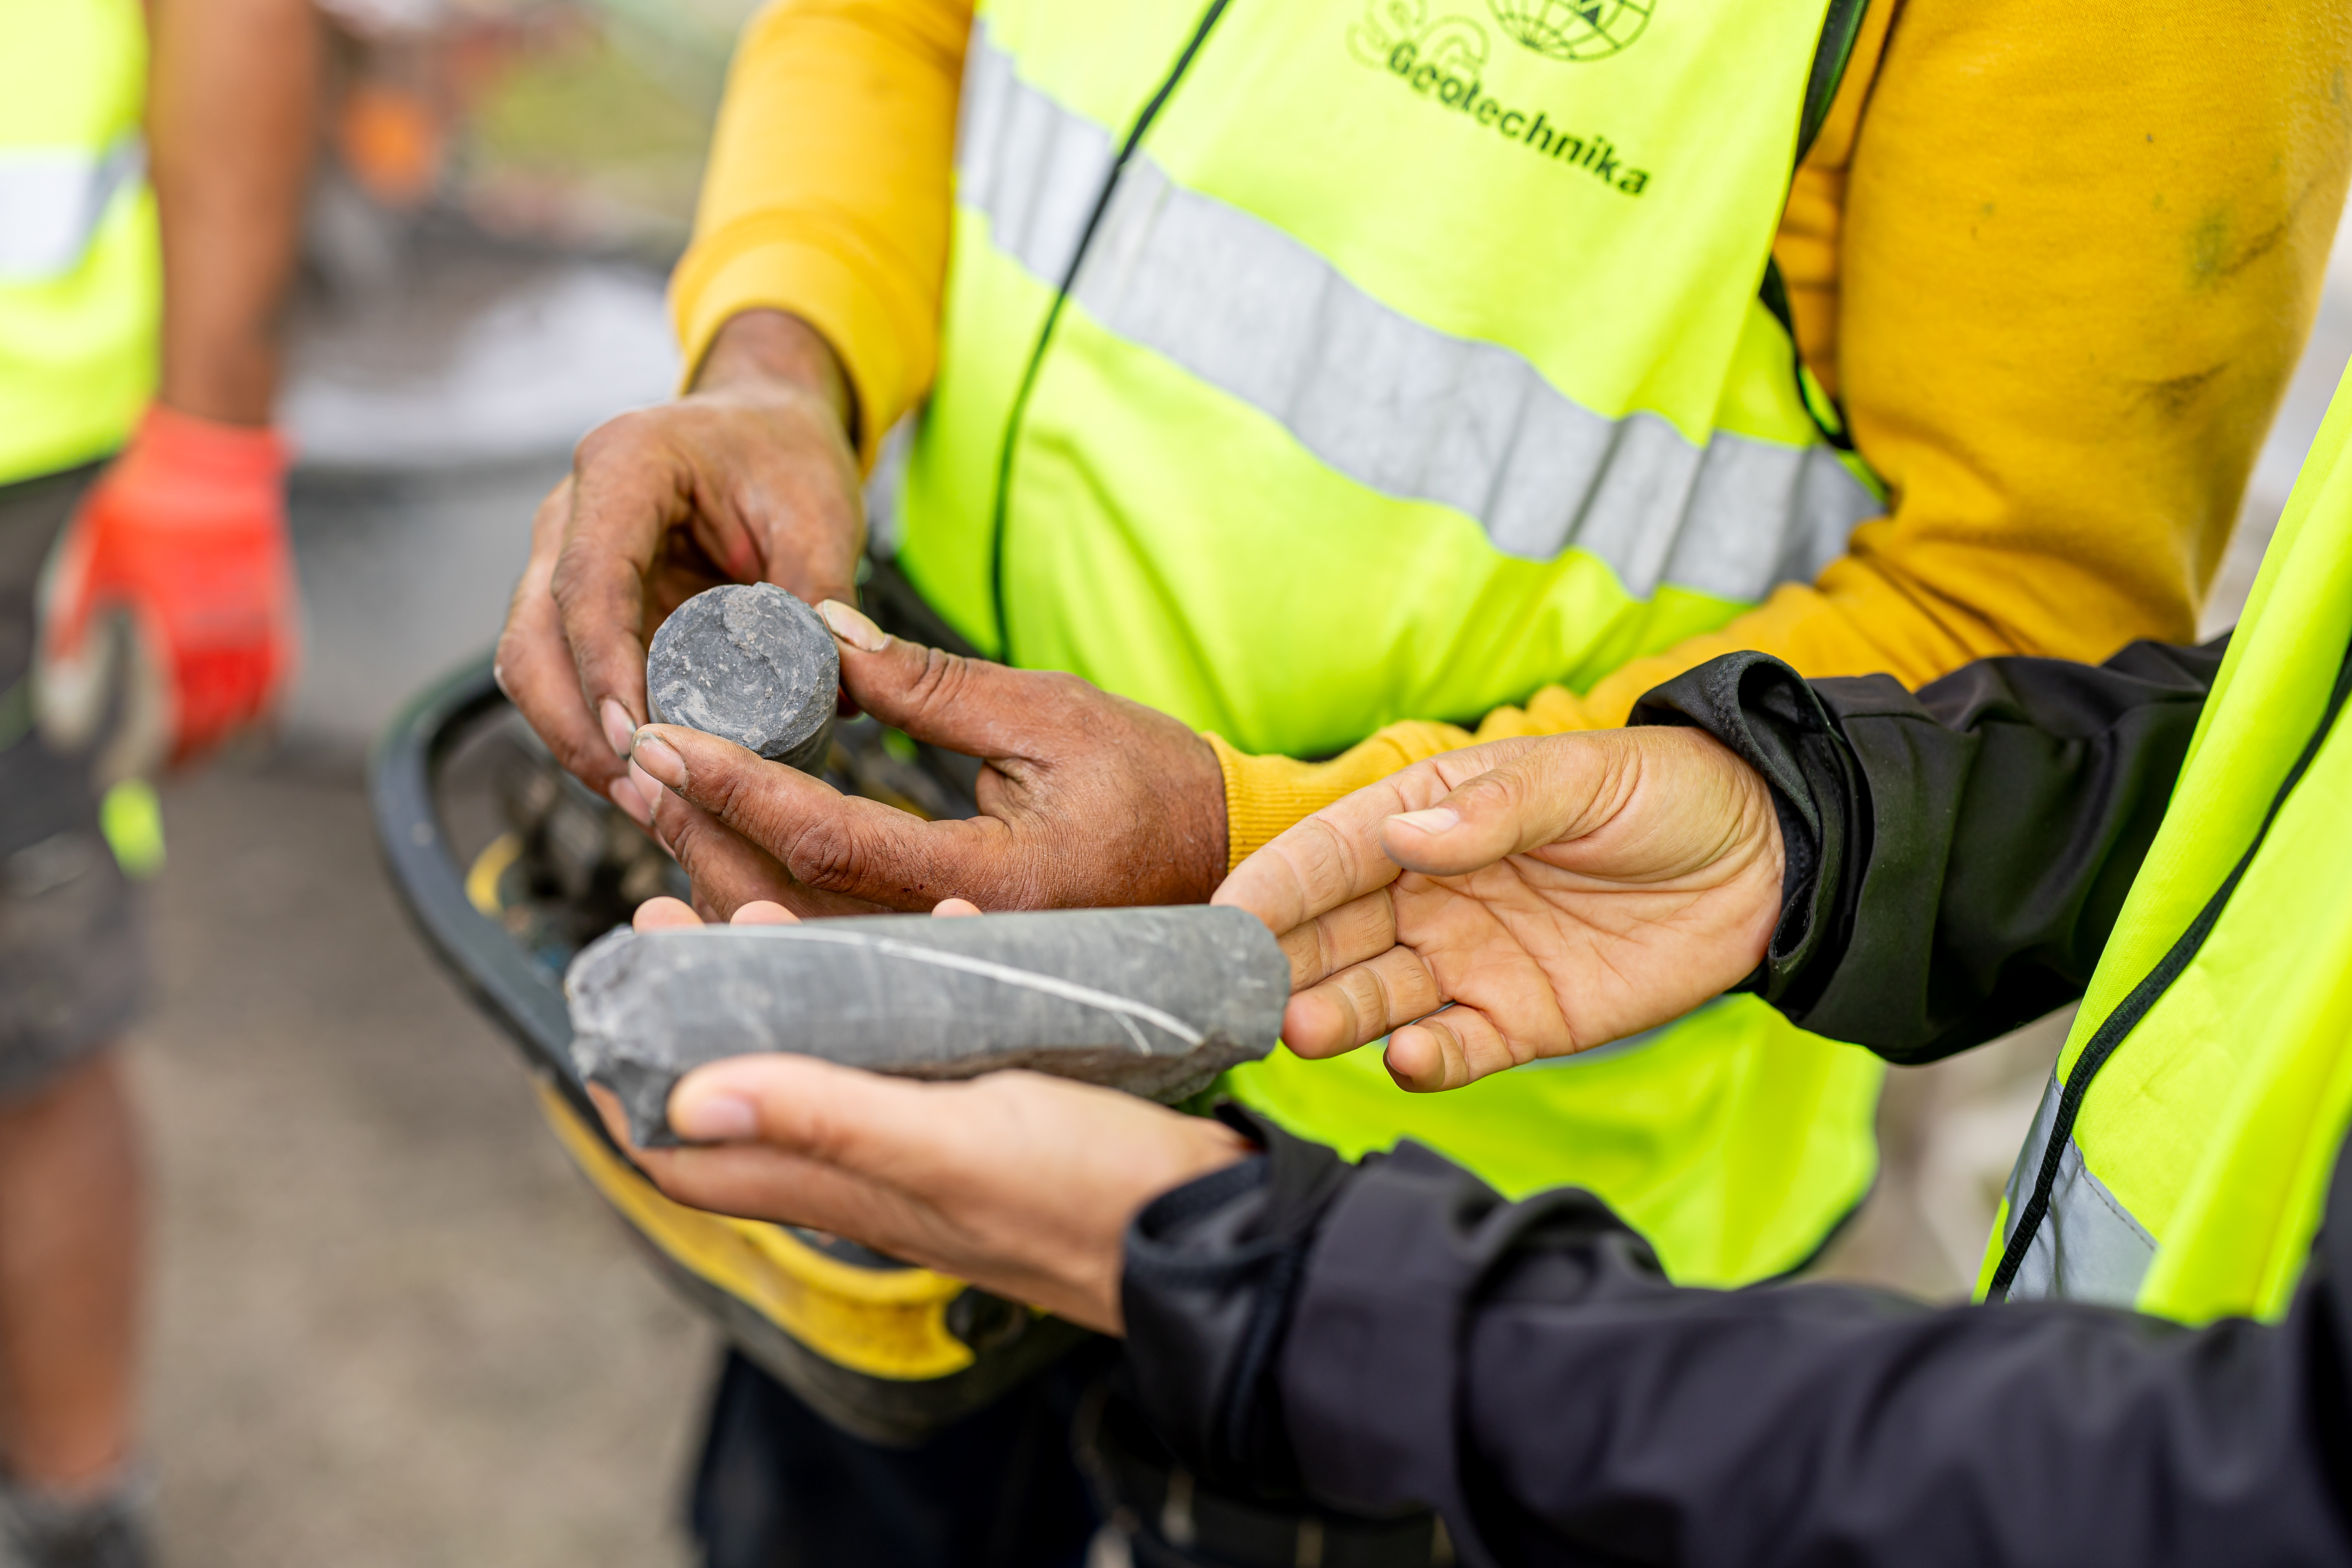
1520,899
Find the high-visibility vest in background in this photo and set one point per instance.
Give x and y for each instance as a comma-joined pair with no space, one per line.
81,270
1315,365
2181,1159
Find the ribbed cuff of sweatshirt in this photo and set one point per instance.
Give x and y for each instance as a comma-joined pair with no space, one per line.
773,264
1264,795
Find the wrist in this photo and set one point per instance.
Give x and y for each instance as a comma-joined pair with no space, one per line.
774,349
225,383
195,465
1208,860
1207,1144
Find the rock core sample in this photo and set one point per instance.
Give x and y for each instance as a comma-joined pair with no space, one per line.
749,663
1153,1001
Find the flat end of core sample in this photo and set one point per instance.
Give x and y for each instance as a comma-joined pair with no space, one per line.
751,664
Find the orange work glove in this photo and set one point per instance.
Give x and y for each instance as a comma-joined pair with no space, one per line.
178,558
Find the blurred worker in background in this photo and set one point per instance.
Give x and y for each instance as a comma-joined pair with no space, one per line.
1335,376
2168,838
137,325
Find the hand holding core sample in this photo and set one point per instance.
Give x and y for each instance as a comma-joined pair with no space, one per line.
1085,800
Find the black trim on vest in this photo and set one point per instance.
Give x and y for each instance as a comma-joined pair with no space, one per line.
1835,429
1832,56
1000,510
1839,28
2144,996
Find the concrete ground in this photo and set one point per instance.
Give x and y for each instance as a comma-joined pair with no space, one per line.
391,1328
390,1325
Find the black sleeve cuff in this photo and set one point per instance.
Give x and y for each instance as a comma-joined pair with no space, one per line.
1767,714
1211,1267
1970,845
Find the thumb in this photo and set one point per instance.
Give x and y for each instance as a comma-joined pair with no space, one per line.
801,1105
966,705
1561,788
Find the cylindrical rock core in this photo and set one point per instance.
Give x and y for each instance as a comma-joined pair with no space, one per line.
1153,1001
751,664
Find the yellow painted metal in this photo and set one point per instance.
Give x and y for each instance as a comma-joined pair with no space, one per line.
884,1322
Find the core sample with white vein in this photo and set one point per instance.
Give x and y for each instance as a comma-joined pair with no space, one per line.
1157,1002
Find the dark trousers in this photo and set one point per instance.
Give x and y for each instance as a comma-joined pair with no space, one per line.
778,1486
73,956
1025,1483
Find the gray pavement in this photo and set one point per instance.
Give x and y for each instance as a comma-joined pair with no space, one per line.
391,1326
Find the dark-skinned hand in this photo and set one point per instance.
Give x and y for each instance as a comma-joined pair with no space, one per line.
751,476
1087,798
1519,900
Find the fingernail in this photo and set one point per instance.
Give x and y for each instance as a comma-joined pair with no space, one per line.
660,759
631,799
498,680
1435,819
851,628
720,1119
618,726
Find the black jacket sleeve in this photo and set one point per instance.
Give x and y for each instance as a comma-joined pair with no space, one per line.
1958,858
1395,1335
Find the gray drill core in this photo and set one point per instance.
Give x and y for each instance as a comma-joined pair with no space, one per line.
750,664
1153,1001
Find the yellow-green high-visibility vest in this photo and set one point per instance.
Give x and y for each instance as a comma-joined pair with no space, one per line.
80,273
1312,364
2180,1158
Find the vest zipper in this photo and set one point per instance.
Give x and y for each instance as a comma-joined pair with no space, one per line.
2144,996
1000,510
1839,28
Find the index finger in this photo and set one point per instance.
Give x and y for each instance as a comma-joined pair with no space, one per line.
1328,859
844,845
533,666
1315,866
1335,856
624,501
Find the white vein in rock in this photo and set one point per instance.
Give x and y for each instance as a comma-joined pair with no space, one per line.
1124,1008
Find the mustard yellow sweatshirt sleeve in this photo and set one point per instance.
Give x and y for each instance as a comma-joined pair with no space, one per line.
2075,257
828,189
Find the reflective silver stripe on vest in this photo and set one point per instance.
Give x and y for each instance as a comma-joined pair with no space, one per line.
1030,164
1395,405
52,201
2088,1247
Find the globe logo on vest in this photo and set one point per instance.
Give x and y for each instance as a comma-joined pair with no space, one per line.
1444,59
1573,30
